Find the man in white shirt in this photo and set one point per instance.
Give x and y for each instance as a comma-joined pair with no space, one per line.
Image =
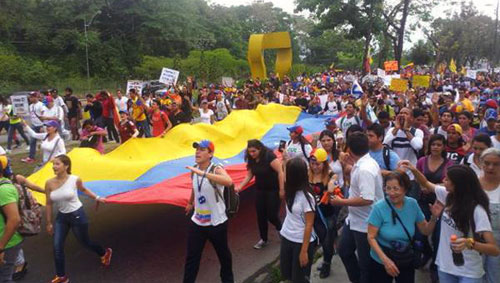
53,112
350,119
35,112
495,140
405,140
365,190
121,101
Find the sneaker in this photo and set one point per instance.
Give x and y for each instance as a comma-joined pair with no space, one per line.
21,273
28,148
106,258
324,271
58,279
27,160
260,244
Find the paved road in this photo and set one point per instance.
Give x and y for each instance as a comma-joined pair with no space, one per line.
149,246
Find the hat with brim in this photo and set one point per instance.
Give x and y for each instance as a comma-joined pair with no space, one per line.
204,144
52,123
296,129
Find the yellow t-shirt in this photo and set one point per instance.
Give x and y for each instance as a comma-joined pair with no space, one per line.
137,110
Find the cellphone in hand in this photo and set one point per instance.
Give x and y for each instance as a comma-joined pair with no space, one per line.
282,145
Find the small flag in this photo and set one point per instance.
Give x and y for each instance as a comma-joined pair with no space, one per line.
453,66
356,89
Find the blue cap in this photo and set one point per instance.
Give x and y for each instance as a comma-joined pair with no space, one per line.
204,144
490,114
52,123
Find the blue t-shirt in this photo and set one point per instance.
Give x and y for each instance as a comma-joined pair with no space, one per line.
388,232
485,130
393,159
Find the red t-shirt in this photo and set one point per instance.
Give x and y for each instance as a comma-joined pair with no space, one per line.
159,120
127,130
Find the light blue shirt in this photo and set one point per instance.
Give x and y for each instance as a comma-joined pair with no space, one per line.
393,159
381,217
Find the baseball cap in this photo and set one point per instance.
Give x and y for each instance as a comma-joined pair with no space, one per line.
204,144
490,114
457,127
491,103
52,123
297,129
4,161
330,122
48,99
204,101
319,154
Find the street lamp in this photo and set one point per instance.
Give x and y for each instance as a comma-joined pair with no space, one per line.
85,27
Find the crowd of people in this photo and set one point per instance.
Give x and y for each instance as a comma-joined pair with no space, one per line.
396,181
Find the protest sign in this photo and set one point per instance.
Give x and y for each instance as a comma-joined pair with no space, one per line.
169,76
399,85
135,84
388,79
391,65
227,81
471,74
380,73
20,105
421,81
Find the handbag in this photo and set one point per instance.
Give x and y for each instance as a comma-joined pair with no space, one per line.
409,256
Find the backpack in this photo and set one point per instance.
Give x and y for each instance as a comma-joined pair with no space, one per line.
230,197
387,157
466,159
30,211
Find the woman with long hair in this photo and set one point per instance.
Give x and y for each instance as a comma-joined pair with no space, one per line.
263,164
160,121
297,239
490,181
329,144
466,230
62,192
322,180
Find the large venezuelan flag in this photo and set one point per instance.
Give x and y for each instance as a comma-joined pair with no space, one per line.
154,170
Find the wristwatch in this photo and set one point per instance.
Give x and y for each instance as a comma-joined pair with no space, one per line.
470,243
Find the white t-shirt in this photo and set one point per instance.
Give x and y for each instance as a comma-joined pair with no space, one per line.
439,131
36,111
495,142
344,123
404,148
207,210
205,117
59,101
295,221
121,103
494,197
366,183
472,165
473,266
295,150
336,168
55,111
48,146
331,108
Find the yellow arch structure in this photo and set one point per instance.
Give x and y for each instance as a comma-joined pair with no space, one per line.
276,40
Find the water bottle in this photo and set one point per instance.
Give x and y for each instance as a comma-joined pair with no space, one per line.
458,257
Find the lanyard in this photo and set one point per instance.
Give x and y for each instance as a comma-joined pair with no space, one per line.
202,178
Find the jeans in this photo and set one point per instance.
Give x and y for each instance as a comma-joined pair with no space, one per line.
4,125
357,267
112,133
290,263
331,235
7,269
379,275
450,278
267,204
197,237
12,129
144,129
73,125
492,263
77,221
33,142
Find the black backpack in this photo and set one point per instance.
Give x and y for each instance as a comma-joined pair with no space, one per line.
387,157
230,197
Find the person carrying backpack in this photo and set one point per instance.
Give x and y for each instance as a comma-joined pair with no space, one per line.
10,239
209,220
297,146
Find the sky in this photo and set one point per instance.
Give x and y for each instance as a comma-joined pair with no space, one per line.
486,7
